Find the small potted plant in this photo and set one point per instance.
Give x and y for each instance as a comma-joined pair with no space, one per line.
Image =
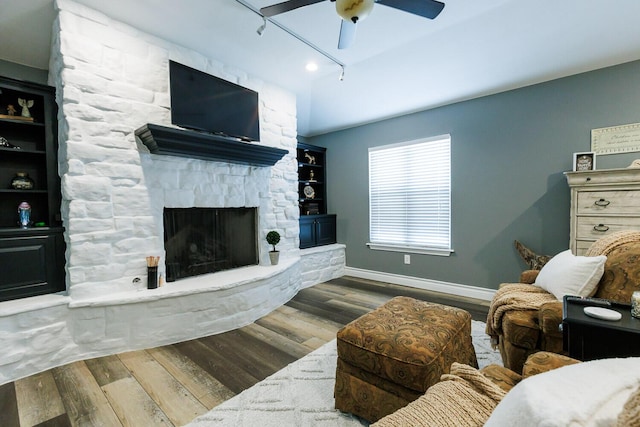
273,238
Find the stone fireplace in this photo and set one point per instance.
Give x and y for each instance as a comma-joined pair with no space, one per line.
113,80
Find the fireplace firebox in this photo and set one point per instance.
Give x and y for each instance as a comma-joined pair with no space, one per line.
205,240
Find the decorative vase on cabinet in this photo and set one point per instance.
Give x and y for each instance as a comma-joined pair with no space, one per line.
22,181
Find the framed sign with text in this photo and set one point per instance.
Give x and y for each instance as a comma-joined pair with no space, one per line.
616,139
584,161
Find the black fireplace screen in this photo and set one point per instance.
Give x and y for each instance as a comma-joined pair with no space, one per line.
204,240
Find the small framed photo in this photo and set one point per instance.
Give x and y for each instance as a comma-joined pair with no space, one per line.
584,161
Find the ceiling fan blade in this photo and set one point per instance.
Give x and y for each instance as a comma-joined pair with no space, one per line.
286,6
347,34
426,8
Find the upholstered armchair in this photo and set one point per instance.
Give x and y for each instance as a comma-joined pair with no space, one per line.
523,327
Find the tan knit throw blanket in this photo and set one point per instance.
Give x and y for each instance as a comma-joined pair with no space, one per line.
630,415
513,296
462,398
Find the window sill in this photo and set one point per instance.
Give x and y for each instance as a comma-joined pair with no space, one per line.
410,249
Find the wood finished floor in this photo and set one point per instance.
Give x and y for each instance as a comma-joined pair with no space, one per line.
172,385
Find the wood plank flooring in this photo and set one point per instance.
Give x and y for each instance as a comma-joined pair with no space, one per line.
172,385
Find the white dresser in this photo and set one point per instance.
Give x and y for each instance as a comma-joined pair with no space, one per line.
602,202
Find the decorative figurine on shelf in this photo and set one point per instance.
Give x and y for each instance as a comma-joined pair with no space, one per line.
11,110
22,181
311,176
310,159
25,106
309,192
24,215
6,144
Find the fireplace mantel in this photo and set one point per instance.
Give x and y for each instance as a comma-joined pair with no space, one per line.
170,141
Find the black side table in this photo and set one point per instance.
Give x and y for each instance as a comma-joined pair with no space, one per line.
588,338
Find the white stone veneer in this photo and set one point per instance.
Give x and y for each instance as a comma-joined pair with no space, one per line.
110,80
322,263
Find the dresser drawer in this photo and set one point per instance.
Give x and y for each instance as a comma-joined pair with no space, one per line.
621,202
594,227
582,246
618,177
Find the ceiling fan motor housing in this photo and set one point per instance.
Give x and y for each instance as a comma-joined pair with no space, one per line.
354,10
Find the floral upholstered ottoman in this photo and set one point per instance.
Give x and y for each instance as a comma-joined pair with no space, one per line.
392,355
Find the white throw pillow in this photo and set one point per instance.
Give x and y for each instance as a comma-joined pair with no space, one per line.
567,274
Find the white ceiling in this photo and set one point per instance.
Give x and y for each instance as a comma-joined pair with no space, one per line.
399,63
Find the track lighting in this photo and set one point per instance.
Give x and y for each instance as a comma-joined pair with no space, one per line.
260,29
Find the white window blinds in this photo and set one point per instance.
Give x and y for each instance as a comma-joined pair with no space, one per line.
410,196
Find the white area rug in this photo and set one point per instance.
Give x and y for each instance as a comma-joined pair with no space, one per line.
301,394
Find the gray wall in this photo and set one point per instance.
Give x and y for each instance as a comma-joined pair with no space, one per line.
509,152
22,72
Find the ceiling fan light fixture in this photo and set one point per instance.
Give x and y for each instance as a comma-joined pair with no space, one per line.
354,10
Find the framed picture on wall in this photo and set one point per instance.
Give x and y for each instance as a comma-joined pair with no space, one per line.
584,161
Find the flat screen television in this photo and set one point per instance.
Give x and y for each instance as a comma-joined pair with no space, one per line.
203,102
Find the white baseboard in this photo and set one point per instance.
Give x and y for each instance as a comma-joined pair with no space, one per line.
420,283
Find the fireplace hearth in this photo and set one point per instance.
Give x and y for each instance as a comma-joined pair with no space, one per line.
205,240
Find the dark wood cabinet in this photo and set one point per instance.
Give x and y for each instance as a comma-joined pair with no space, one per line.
317,230
32,262
316,226
32,257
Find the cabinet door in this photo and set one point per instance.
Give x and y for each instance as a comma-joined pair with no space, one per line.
32,265
317,230
307,232
326,230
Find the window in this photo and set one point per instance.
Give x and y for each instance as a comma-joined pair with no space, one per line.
410,196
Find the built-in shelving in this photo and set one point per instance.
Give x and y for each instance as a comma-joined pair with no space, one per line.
316,226
32,258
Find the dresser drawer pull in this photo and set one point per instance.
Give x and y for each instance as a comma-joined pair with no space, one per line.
602,202
601,228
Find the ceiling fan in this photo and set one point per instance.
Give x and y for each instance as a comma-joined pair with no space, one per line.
353,11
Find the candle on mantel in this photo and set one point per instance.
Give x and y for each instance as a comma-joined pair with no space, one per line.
635,304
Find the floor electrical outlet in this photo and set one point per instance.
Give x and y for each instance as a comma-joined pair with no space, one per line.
407,259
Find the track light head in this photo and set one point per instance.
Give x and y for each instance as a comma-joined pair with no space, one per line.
261,28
